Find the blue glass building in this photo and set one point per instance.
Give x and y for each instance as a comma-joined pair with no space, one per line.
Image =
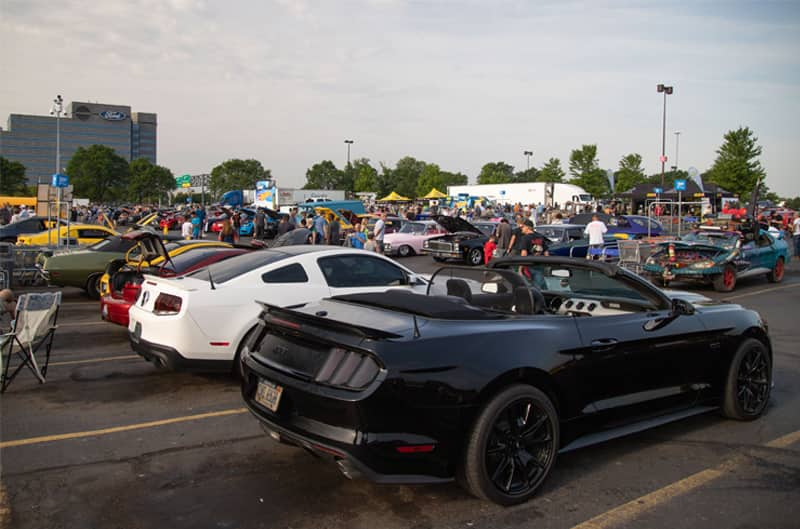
31,140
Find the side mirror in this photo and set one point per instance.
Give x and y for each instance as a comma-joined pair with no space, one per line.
414,279
489,288
681,307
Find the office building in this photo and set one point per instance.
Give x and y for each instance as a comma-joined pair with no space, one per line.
31,140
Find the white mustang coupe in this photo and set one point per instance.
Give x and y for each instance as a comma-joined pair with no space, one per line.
200,321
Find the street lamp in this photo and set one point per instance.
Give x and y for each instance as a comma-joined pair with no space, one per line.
666,90
349,143
57,110
677,143
528,154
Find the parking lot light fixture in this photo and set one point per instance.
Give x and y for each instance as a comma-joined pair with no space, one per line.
666,90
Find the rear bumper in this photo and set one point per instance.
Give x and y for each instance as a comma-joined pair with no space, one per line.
171,359
339,431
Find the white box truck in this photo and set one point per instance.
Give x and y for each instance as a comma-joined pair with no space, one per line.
535,193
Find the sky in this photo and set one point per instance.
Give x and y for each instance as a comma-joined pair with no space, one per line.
457,83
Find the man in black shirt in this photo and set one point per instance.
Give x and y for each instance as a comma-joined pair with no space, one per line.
260,223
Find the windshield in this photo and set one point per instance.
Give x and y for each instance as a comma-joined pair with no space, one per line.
723,239
413,227
585,198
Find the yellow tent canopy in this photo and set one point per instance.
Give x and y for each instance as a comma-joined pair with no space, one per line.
394,197
433,194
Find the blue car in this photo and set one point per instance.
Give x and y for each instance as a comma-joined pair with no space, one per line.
624,226
247,228
579,248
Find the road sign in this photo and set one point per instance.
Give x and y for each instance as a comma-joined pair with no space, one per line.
680,184
60,180
183,180
658,191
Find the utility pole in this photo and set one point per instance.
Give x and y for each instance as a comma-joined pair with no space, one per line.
528,154
349,143
666,90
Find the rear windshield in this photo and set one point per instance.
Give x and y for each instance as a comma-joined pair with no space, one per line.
236,266
186,260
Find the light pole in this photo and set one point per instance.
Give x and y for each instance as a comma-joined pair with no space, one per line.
528,154
58,109
349,143
666,90
677,143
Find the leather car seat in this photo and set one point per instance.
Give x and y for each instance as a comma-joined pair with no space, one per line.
459,288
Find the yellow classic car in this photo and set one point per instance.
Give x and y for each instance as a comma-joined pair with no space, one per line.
76,234
135,258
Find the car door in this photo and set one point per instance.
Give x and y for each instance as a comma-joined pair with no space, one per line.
355,273
638,358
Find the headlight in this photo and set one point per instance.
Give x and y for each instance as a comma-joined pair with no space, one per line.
702,264
456,247
387,247
650,261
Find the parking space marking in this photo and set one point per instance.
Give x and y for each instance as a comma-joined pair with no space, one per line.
116,429
629,511
762,291
93,360
785,441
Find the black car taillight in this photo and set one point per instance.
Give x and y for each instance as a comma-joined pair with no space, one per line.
347,369
167,304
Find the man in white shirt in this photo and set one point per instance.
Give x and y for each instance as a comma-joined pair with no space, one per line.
796,236
379,231
595,230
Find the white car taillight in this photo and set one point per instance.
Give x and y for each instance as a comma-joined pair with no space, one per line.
167,304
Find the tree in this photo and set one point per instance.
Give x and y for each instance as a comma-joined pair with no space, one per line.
528,175
237,174
148,182
406,175
98,173
452,179
12,178
366,177
585,171
737,168
552,172
323,175
430,177
630,173
496,173
384,181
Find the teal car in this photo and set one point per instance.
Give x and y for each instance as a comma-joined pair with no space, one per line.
719,257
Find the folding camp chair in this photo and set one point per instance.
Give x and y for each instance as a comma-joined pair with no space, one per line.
33,328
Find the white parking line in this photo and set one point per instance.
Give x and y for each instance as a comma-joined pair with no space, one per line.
762,291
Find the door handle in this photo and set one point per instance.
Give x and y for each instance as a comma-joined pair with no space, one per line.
604,344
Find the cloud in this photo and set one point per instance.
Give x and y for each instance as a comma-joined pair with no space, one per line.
455,83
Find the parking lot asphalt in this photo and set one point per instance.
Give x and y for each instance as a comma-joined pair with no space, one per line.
111,442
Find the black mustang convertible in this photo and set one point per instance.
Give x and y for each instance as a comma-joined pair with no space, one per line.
493,372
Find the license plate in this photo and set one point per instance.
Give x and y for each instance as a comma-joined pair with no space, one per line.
137,332
268,394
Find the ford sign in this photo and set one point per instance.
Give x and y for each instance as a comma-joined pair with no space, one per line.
113,115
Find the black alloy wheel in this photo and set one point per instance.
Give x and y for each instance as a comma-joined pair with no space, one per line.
93,286
475,257
513,446
749,382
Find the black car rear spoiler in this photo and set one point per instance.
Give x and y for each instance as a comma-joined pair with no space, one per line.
293,319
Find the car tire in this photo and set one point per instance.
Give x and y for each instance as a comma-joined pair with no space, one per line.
93,286
405,251
726,281
503,439
475,257
776,274
749,382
